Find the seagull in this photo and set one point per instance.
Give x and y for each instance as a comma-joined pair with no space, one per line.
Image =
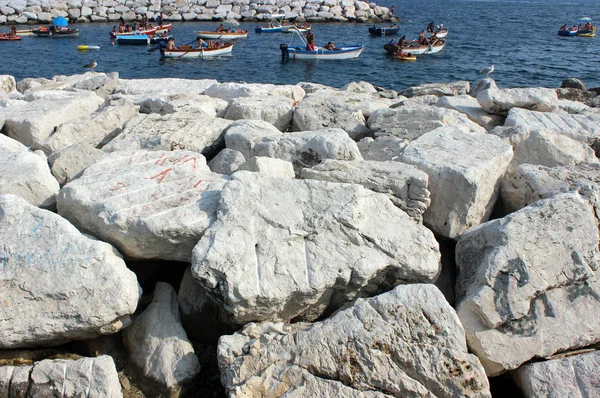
487,71
91,65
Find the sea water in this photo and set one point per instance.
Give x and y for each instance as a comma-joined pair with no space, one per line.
518,37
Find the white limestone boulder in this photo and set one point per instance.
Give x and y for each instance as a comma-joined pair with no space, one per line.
465,172
269,254
273,109
382,148
404,184
86,377
242,135
303,149
501,100
69,163
412,121
100,83
227,161
438,89
569,376
150,204
470,107
57,284
8,85
528,285
189,103
177,131
360,87
337,109
269,166
419,100
26,174
404,343
95,129
159,351
163,86
584,128
530,183
231,91
573,107
33,122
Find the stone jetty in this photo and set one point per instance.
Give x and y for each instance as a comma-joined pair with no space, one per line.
166,236
83,11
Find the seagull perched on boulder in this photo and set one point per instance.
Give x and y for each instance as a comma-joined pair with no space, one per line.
487,71
91,65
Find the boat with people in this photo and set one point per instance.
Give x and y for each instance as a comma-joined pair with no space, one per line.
24,32
304,28
584,29
384,30
272,27
56,31
213,49
310,51
141,40
415,48
225,34
149,31
9,36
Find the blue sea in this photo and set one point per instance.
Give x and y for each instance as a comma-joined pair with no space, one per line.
518,37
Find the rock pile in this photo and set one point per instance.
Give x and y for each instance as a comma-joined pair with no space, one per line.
36,12
314,230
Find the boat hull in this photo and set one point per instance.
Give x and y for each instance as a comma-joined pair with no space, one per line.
415,49
223,36
158,30
406,58
345,52
261,29
25,32
567,33
288,29
386,31
135,40
439,34
56,34
586,33
199,53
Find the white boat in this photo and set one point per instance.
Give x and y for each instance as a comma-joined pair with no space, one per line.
440,34
204,52
301,29
425,49
344,52
223,36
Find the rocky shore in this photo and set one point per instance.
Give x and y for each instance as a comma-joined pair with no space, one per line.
307,240
83,11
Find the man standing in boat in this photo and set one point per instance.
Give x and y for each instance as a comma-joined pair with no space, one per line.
310,40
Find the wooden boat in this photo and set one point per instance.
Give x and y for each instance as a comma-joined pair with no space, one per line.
152,30
440,34
267,29
384,31
25,32
140,40
567,32
407,57
54,31
301,29
343,52
8,36
204,52
224,36
415,48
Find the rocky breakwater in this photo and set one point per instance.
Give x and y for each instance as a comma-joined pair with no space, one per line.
335,242
36,12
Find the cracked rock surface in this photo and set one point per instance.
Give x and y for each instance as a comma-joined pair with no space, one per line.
283,248
404,343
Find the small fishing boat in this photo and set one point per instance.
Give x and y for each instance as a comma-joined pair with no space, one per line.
342,52
140,40
55,31
271,27
384,31
225,36
440,33
25,32
8,36
415,48
203,52
151,30
290,28
403,56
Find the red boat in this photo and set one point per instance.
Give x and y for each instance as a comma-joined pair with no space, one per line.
9,36
152,30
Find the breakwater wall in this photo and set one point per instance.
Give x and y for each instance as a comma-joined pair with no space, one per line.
44,11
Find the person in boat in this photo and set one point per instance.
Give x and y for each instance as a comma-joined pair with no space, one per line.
145,21
393,10
310,40
13,30
171,44
574,28
159,19
330,46
564,27
402,42
201,43
284,23
433,39
221,29
430,27
393,42
422,39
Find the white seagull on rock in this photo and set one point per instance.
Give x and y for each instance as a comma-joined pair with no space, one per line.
487,71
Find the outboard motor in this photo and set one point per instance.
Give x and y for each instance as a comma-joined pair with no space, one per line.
284,52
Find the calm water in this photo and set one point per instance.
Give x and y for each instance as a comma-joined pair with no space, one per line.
519,37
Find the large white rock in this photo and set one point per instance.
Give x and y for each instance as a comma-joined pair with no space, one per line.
405,343
412,121
584,128
528,283
270,253
86,377
163,86
340,109
57,284
501,100
530,183
100,83
572,376
269,166
33,122
164,104
159,351
26,174
273,109
95,129
227,161
304,149
242,135
8,85
470,107
382,148
231,91
150,204
404,184
438,89
465,171
185,131
69,163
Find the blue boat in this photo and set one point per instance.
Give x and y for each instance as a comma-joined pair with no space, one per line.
140,40
264,29
567,32
384,31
